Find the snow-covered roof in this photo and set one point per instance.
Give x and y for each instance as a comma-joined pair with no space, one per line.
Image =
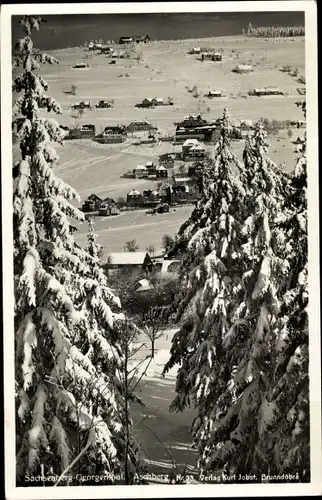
158,99
191,142
140,167
144,284
133,192
127,258
161,167
243,67
215,92
168,264
149,163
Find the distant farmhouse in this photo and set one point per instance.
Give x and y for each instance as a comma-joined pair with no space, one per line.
91,203
137,126
265,91
134,39
209,56
129,260
214,93
114,134
105,49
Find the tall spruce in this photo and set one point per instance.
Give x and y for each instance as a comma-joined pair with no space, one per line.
243,362
70,408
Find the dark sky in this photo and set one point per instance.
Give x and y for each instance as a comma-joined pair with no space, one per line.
72,30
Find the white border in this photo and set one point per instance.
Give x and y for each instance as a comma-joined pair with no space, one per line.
164,491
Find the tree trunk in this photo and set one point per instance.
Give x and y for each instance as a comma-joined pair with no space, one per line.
127,437
152,348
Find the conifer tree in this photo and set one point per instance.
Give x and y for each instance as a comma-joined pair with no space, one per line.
69,403
238,310
209,277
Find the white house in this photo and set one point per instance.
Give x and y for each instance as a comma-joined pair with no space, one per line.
188,144
140,172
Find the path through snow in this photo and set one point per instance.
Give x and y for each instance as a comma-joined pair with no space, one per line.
164,436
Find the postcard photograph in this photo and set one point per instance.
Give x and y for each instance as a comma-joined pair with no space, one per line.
161,252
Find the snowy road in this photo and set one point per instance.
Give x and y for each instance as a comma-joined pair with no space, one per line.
164,436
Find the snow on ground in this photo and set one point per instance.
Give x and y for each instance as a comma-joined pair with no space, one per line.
164,436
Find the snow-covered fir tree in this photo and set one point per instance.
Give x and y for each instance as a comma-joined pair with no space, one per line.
69,402
239,353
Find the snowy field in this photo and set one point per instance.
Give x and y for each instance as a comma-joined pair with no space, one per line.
165,69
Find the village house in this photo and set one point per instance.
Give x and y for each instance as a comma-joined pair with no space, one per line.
167,160
114,134
140,172
157,101
246,127
87,131
194,152
128,261
149,164
206,56
180,193
161,172
150,197
192,121
188,144
137,126
195,50
214,93
133,197
91,203
126,39
108,207
217,56
147,102
142,38
266,91
105,49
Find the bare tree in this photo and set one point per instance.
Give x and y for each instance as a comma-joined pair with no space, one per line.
154,320
167,242
150,249
131,246
73,89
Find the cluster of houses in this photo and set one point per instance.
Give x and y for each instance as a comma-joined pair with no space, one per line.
150,171
195,127
110,134
206,55
134,39
87,104
106,206
104,48
265,91
177,192
152,102
142,262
